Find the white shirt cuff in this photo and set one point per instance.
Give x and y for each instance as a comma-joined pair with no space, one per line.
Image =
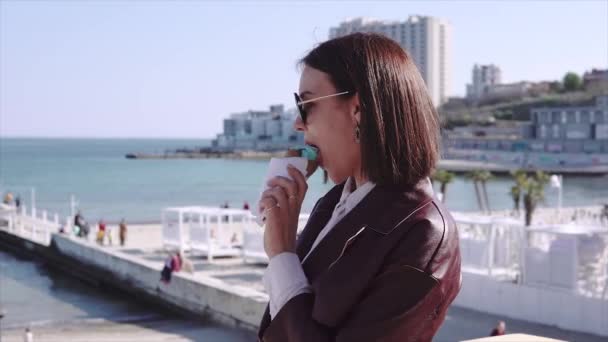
284,279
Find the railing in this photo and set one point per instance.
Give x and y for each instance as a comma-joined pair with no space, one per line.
569,257
36,226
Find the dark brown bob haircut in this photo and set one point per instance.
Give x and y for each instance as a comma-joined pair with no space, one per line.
399,125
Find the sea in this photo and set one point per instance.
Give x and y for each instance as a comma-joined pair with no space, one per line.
107,185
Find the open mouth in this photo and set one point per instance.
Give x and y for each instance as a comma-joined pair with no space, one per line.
313,145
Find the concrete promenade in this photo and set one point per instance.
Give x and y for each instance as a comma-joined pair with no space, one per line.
225,290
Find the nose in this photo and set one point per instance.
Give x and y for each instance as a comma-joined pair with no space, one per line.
298,125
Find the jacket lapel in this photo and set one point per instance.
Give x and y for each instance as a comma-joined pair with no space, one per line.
348,229
319,217
347,259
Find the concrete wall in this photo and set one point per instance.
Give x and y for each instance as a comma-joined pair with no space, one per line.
540,305
234,305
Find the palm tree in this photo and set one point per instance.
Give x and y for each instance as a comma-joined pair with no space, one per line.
444,178
520,177
516,196
535,193
485,176
475,177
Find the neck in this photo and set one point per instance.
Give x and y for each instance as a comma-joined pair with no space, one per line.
360,179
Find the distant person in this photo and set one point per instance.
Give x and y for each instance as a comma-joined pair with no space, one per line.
187,265
81,227
173,263
109,234
122,232
165,273
500,329
28,336
604,214
225,206
77,219
18,202
8,198
246,206
101,231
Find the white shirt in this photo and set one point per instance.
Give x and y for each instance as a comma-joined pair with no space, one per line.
284,278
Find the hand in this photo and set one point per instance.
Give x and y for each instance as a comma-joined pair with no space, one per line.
281,206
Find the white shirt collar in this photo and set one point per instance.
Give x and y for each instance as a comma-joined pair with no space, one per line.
351,199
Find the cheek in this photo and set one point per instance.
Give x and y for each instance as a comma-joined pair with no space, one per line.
338,150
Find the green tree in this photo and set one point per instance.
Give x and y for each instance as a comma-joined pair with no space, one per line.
484,177
444,178
534,193
572,82
479,178
520,177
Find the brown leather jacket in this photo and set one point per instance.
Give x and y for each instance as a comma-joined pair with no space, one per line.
386,272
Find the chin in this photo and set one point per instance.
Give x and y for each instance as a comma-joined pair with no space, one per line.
336,179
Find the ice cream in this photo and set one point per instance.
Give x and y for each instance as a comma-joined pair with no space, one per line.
310,153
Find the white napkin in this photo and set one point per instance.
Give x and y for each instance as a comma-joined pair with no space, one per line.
278,167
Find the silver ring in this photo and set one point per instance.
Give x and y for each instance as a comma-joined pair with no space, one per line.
291,196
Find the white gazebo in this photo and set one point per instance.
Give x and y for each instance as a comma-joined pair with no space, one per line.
217,232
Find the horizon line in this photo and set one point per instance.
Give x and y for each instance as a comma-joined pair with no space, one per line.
100,137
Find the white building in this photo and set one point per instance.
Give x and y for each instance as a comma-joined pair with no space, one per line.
426,39
259,130
483,78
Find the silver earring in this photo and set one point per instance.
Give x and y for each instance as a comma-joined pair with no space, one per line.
357,134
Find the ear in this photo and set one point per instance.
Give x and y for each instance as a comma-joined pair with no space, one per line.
355,106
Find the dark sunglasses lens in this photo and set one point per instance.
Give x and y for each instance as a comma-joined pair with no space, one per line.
300,108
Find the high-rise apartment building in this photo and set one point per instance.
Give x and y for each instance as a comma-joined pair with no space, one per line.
426,39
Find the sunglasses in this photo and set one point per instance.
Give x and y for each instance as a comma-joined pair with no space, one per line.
300,104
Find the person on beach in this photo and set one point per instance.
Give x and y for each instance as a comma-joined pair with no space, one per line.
28,336
109,234
225,206
8,198
122,232
500,329
246,206
379,256
101,231
18,202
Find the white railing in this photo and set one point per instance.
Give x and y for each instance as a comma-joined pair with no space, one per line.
570,257
35,226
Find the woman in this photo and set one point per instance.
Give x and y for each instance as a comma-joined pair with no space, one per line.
378,258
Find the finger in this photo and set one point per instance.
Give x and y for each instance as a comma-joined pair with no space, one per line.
266,202
300,180
290,187
280,196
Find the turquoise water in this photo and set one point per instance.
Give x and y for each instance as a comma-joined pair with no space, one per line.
109,186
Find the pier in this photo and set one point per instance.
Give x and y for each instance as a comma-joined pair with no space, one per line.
228,290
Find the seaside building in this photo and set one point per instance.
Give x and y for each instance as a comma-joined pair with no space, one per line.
596,81
259,130
558,136
571,129
426,39
483,76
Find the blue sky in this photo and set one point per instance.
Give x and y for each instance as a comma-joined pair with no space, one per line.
176,69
